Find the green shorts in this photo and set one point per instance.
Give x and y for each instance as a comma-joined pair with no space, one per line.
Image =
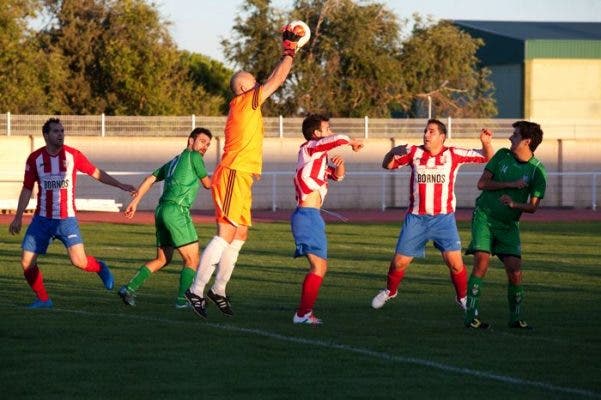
495,237
174,226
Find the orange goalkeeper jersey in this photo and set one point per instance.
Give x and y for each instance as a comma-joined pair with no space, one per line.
243,149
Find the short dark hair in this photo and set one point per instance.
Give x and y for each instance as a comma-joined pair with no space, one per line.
312,123
46,126
441,127
530,130
198,131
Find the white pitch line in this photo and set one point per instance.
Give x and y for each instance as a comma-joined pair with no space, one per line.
365,352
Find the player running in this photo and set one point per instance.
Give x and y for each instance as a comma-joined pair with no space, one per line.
313,169
172,219
513,181
54,168
431,211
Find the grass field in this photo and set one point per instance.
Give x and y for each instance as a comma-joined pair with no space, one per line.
92,346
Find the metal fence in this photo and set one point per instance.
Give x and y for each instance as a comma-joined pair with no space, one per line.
390,189
164,126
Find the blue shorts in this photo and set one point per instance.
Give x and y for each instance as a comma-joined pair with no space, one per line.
42,230
309,231
419,229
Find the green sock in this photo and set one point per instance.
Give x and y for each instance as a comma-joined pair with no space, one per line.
474,285
185,280
515,296
138,279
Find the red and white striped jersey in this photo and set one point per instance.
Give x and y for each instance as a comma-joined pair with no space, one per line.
432,182
312,170
56,177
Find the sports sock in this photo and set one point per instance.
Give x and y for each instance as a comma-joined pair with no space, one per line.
226,266
139,278
393,279
309,293
515,295
34,278
474,286
93,265
185,280
459,280
210,257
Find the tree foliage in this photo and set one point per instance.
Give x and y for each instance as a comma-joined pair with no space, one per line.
20,84
439,61
351,66
209,75
356,63
99,56
117,57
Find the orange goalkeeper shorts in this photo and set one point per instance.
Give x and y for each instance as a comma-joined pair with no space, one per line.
232,195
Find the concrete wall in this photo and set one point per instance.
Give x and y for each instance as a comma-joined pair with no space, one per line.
367,185
562,88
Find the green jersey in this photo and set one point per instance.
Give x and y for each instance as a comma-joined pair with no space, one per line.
182,178
506,168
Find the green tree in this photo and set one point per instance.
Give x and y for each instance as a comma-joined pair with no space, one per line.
71,43
141,72
356,63
351,68
118,58
439,61
209,75
21,89
347,69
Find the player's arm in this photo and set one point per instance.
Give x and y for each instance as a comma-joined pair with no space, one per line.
388,161
487,182
102,176
356,144
15,225
529,207
206,182
139,193
339,169
290,45
486,139
277,78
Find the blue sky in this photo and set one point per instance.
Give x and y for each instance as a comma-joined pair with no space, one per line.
199,25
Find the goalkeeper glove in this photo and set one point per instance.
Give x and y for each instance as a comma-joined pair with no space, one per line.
290,38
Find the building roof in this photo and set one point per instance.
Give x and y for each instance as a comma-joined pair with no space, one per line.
537,30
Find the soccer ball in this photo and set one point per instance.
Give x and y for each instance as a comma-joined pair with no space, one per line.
301,29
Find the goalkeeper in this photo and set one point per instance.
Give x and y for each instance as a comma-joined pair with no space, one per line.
240,164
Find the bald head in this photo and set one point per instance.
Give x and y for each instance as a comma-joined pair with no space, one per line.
241,82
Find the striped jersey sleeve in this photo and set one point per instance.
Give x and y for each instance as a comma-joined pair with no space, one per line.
312,170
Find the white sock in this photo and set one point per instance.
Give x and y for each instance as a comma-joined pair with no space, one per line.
210,257
226,266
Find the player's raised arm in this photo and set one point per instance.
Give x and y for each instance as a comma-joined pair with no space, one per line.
294,36
388,161
486,140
